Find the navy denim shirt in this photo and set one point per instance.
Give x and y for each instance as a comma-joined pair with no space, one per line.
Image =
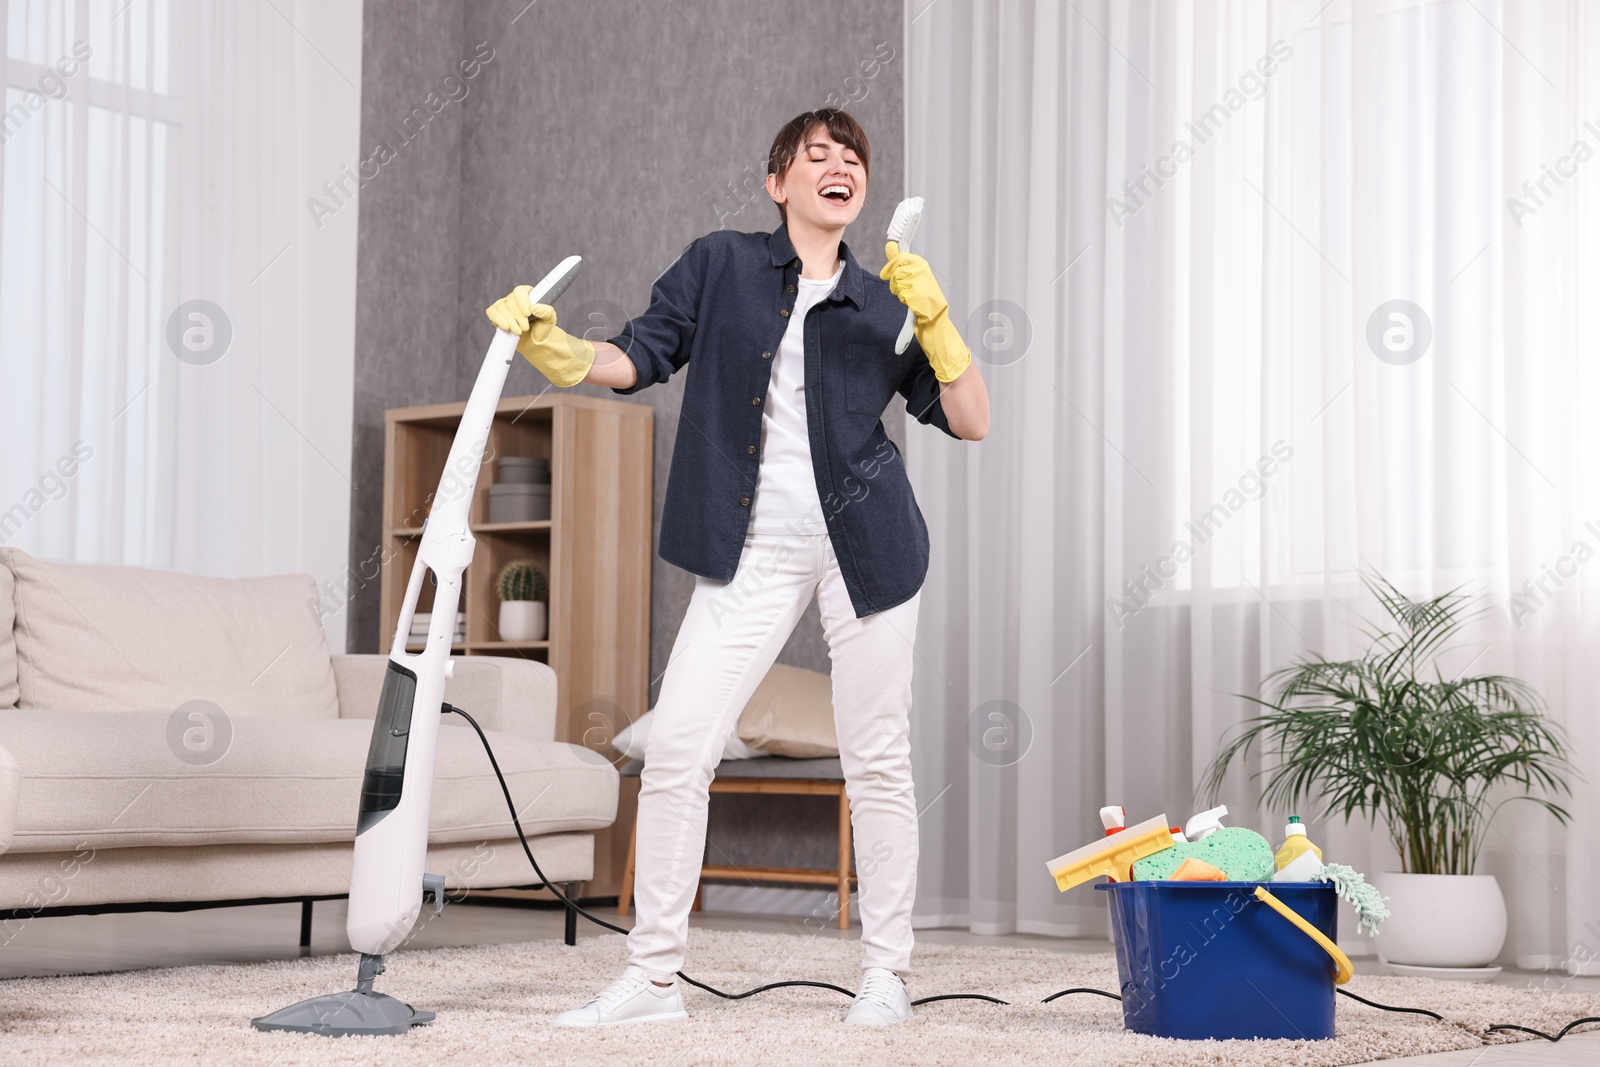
721,309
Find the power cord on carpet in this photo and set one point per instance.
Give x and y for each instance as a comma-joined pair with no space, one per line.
516,822
1384,1007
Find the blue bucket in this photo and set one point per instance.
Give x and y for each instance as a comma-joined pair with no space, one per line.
1208,960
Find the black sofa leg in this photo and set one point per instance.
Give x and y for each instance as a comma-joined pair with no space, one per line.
570,891
305,926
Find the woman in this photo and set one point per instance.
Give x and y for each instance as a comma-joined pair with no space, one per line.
783,486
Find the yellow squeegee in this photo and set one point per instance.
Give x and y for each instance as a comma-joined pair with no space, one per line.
1113,856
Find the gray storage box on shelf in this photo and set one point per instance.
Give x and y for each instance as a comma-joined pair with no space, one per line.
522,493
519,503
524,470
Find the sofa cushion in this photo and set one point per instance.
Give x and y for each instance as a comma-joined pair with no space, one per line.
791,714
30,880
246,872
101,638
115,779
8,641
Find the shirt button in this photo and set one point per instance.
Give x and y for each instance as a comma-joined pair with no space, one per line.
790,289
756,400
744,501
751,449
766,355
784,312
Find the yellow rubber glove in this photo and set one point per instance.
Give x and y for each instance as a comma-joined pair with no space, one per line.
911,279
563,358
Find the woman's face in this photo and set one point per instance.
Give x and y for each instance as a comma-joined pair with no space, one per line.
824,185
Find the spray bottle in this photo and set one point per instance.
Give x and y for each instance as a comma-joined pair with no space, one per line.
1203,825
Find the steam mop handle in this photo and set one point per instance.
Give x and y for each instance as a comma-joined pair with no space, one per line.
552,285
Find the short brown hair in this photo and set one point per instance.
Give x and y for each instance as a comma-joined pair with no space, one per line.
841,126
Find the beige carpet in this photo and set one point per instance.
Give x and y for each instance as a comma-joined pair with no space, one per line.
494,1002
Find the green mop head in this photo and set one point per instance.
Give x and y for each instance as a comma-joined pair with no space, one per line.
1348,883
1241,854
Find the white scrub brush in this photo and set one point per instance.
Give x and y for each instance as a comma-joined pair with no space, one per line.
906,216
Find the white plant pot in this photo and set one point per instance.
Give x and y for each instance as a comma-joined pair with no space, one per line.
522,620
1441,920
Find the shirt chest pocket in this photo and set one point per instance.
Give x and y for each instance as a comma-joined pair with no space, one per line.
871,376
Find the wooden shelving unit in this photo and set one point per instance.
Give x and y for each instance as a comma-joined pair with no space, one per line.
595,549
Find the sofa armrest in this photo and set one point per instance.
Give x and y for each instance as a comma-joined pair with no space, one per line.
10,792
517,696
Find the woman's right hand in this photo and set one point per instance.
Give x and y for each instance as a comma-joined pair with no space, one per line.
561,357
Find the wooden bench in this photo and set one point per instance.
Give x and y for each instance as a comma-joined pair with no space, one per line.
771,775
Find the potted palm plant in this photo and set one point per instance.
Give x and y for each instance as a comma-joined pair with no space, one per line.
523,592
1391,737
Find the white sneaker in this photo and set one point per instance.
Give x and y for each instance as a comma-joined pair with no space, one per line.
633,998
883,1000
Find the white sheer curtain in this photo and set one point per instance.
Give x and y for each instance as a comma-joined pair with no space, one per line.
1180,356
157,153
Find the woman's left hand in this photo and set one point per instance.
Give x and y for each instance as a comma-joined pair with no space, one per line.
911,279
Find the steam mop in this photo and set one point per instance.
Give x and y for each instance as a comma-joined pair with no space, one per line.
387,882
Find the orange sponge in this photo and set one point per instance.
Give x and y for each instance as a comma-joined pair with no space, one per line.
1197,870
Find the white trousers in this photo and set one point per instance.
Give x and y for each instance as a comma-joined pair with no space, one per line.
730,636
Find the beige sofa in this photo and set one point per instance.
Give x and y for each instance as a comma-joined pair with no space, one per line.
187,739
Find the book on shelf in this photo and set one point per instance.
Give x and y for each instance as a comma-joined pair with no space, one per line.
422,622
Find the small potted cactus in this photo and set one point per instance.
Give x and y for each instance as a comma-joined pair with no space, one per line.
523,593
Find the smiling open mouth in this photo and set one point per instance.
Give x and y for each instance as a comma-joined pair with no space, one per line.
838,193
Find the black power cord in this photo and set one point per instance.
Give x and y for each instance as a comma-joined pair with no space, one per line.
1383,1007
1493,1029
1529,1030
450,709
1079,989
1390,1007
511,805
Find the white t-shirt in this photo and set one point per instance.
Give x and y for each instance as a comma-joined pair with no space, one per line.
786,499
